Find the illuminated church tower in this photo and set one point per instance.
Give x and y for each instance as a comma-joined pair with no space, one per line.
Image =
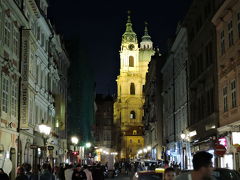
128,108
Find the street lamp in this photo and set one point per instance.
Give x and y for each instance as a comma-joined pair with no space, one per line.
88,145
45,131
74,140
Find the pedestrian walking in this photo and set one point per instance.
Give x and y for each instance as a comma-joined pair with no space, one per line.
3,175
169,174
27,169
46,174
87,172
202,167
20,174
68,172
79,174
56,172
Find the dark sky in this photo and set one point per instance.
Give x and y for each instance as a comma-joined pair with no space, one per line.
101,23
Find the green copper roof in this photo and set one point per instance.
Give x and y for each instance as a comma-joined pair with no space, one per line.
146,36
129,35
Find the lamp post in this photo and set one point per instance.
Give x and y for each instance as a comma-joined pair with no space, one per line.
45,131
74,140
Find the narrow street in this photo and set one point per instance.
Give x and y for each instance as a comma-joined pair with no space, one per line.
122,177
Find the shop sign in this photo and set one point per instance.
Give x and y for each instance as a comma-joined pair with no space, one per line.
236,138
43,148
223,141
50,147
220,150
33,146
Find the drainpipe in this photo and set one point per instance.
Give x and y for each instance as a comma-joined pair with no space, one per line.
19,98
174,102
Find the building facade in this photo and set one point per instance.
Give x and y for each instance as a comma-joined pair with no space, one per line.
227,23
153,122
104,122
202,81
175,101
35,51
128,108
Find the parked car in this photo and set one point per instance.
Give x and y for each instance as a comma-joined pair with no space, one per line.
149,175
225,174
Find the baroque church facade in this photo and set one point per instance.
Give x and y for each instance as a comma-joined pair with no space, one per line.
128,107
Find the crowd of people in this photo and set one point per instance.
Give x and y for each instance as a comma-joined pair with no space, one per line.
202,164
62,172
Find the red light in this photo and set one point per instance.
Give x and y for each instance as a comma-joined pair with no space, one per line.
75,153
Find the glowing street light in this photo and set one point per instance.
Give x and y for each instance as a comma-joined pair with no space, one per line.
74,140
88,145
149,148
44,129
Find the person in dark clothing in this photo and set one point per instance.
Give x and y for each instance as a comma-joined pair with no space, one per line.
3,175
98,172
61,172
27,169
79,174
46,174
20,174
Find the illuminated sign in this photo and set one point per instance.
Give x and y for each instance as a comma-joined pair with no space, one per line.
24,74
222,141
236,138
193,133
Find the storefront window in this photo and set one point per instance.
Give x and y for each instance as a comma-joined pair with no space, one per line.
227,161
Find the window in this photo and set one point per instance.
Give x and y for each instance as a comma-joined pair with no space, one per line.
14,100
130,140
225,103
1,22
46,46
139,141
208,54
131,61
7,30
238,19
222,43
30,111
230,34
134,132
38,33
42,40
5,89
36,115
233,92
132,89
15,41
132,115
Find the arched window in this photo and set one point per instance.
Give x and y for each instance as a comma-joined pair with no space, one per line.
131,61
132,89
132,115
134,132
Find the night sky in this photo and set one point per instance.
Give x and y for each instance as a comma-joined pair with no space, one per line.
101,23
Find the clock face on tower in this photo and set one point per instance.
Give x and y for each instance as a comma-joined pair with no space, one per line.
131,46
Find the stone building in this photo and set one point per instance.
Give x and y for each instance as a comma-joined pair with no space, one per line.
30,100
153,122
175,100
128,108
227,23
202,81
104,121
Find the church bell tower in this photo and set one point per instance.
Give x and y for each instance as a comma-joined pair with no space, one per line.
128,108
